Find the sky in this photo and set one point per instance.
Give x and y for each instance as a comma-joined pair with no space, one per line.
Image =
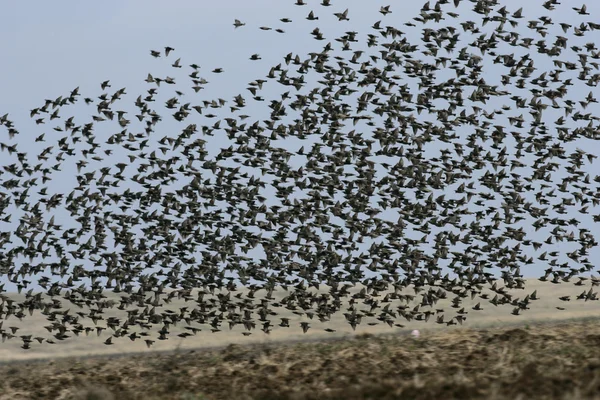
49,48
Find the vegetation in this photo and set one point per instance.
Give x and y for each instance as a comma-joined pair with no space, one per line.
549,361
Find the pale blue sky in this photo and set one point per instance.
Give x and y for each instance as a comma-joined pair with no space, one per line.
49,48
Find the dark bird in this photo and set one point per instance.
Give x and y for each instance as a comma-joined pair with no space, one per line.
343,16
581,10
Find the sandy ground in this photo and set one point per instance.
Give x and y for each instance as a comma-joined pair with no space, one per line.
543,310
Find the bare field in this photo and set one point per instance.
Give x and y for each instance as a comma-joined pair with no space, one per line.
543,310
541,361
544,353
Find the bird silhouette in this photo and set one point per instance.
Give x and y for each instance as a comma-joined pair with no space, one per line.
481,169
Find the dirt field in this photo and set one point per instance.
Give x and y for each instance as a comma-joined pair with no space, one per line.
544,353
551,361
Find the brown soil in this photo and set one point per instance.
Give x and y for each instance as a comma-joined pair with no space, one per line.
549,361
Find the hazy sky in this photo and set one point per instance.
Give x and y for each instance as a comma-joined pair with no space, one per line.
49,48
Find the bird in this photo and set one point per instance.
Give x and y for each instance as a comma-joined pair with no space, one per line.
473,164
581,10
343,16
385,10
168,50
305,326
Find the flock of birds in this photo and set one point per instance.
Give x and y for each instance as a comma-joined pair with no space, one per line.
388,101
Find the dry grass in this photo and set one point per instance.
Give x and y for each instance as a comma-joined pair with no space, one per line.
544,353
545,361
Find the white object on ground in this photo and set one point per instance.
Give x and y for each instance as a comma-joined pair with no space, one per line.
415,333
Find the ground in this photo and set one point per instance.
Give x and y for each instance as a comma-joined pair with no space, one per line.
555,360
